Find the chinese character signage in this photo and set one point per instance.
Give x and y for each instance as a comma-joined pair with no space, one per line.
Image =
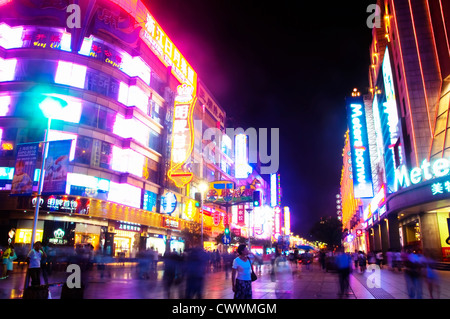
241,215
60,204
56,167
182,136
155,38
22,183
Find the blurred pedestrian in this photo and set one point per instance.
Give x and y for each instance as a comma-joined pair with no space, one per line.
284,278
170,271
413,274
371,258
390,259
8,257
44,265
379,259
322,258
227,262
196,263
431,275
362,261
34,258
241,274
355,259
344,265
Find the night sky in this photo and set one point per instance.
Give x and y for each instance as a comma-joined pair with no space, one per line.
281,64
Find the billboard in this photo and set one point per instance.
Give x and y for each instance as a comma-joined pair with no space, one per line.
56,167
359,147
388,123
182,136
22,182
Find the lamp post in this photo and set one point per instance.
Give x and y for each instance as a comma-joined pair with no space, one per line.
203,187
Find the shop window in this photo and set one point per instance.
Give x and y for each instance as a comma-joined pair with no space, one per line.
83,150
155,111
155,141
35,70
103,84
97,116
106,155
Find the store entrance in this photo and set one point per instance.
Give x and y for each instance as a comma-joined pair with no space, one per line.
412,235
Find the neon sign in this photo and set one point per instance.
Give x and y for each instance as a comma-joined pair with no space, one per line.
287,221
277,222
169,203
153,35
359,145
387,122
426,171
182,136
377,201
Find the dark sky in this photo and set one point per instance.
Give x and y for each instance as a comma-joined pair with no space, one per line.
281,64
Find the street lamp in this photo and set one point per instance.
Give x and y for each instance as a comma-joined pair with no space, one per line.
203,187
50,107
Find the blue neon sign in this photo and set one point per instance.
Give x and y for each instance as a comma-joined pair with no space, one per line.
359,146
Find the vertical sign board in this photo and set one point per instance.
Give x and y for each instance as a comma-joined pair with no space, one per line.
22,183
182,136
273,190
56,167
287,220
359,146
388,121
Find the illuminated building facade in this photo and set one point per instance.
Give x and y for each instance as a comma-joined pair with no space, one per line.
350,206
117,77
409,92
136,113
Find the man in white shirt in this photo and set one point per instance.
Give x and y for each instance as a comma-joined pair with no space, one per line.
34,267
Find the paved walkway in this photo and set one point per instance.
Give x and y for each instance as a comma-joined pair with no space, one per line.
298,283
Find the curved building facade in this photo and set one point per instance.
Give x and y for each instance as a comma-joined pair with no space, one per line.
104,76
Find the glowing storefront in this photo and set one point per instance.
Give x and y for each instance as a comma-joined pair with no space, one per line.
115,114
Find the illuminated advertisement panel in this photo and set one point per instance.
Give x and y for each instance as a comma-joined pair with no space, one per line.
273,190
242,169
277,222
153,35
287,220
182,136
389,124
359,147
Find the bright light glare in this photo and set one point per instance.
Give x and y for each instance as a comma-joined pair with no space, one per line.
10,38
71,74
5,102
7,69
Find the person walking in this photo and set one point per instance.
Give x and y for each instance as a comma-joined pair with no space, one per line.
344,265
362,260
9,256
241,274
413,274
196,263
34,263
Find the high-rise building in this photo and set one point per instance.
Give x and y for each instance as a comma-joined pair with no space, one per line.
409,86
111,81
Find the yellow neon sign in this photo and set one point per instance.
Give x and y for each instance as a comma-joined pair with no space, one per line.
182,135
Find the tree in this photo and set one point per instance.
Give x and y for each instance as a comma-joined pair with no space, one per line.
328,230
192,235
